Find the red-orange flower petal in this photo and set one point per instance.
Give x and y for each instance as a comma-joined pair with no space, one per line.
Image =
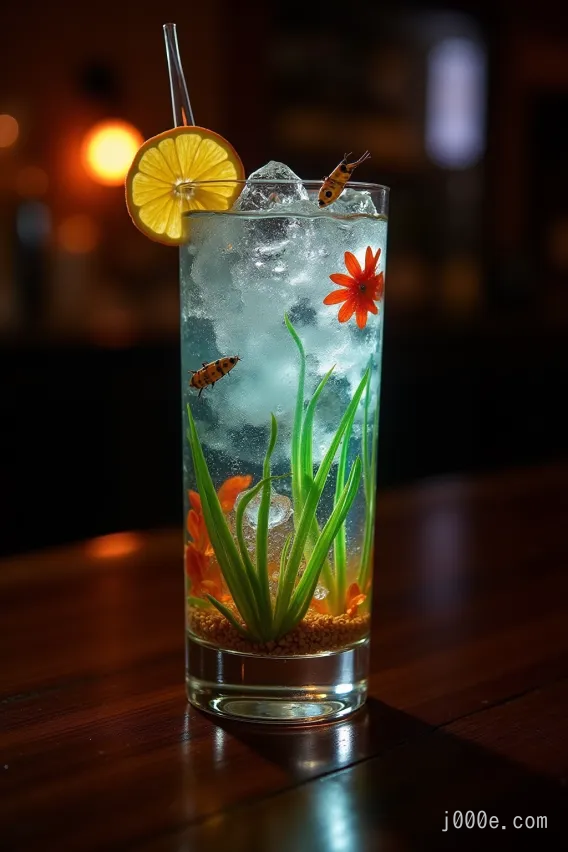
196,565
361,314
215,577
230,490
378,286
342,280
320,606
347,310
337,296
355,603
193,526
195,501
354,599
211,587
352,265
371,261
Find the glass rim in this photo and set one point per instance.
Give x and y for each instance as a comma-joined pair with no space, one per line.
310,184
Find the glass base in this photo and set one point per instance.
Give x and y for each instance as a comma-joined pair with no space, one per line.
277,689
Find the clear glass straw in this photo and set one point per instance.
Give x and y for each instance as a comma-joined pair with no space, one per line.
181,106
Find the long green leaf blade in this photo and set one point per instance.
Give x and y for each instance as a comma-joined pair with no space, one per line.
306,455
215,535
305,589
306,440
327,460
262,529
308,513
243,600
340,543
245,555
201,603
224,610
265,613
284,557
297,427
220,535
370,508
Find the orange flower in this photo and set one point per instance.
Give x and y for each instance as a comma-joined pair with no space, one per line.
204,574
320,606
354,599
362,288
196,525
230,490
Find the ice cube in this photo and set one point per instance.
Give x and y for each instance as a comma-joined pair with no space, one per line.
320,593
276,192
278,513
274,247
354,201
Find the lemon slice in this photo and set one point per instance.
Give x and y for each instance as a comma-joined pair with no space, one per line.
158,183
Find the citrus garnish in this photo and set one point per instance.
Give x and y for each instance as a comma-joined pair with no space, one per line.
159,182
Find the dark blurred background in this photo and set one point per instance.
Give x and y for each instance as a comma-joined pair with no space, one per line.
464,107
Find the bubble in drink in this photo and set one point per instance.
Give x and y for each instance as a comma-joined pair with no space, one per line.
279,512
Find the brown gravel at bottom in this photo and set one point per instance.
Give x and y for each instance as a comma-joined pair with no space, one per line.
316,633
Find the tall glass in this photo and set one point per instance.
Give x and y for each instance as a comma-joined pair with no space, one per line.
281,336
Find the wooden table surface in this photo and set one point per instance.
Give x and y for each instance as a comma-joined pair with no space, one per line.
467,711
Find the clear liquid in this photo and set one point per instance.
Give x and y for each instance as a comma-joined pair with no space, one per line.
240,274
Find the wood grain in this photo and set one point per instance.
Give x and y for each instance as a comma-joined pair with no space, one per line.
469,694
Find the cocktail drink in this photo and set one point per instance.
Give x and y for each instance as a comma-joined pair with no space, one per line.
282,285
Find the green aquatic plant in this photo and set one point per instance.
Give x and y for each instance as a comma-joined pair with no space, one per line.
370,489
248,582
335,580
265,619
338,591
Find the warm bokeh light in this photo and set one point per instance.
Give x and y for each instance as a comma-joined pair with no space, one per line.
78,234
113,546
9,130
32,181
108,150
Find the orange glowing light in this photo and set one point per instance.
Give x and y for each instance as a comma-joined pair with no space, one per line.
108,150
9,130
78,234
32,181
113,546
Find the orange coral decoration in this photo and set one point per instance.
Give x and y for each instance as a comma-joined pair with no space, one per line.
205,575
319,606
355,598
362,288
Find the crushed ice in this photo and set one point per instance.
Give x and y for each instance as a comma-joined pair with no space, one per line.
248,272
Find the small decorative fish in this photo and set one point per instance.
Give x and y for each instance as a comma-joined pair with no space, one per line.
334,185
212,372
